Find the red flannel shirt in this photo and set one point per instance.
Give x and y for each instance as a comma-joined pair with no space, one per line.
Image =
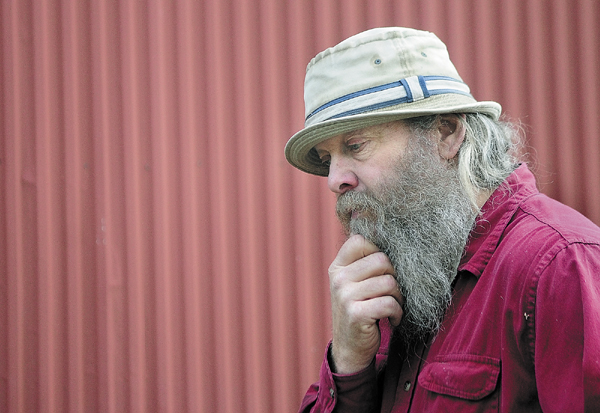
522,333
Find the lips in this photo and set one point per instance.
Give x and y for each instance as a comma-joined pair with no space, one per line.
355,206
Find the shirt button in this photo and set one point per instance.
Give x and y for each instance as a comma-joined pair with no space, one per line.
332,393
407,386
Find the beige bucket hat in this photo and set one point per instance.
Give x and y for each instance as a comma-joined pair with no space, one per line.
375,77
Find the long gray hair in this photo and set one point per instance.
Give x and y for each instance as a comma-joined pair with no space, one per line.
490,151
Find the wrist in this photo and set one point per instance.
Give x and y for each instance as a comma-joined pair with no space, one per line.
343,363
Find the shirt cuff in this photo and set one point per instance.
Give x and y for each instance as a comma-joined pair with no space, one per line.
355,392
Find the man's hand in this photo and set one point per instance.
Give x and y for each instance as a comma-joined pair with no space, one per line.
363,290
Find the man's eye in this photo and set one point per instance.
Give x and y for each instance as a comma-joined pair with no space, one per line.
326,161
354,146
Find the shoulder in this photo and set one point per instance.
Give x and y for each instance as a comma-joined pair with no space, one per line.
542,227
544,233
551,216
548,249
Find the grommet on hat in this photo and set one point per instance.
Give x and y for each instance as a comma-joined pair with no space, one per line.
375,77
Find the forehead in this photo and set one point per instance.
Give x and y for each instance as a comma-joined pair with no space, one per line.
384,131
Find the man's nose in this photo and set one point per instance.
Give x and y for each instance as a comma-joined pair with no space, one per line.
341,177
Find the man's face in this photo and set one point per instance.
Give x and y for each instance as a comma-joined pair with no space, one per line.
358,160
395,190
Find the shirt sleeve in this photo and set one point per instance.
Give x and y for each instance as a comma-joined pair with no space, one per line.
343,392
567,331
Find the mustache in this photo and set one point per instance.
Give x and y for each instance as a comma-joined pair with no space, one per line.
364,204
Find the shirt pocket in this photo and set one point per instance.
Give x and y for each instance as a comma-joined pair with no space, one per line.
464,376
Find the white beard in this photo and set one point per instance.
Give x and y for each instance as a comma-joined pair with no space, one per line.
420,218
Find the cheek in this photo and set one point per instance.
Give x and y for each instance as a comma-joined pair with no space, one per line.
380,173
376,183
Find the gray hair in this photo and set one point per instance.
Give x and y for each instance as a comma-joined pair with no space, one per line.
489,153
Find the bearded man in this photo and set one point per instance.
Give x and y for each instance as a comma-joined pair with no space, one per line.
460,287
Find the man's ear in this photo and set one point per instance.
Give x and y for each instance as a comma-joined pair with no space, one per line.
451,134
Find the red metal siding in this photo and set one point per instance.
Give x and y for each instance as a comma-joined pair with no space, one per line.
157,253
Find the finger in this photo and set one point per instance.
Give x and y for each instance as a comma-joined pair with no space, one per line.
379,308
373,287
372,265
376,287
397,294
396,317
355,248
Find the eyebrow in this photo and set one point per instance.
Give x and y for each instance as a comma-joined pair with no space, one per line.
376,132
352,134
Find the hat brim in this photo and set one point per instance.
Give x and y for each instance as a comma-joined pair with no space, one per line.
298,150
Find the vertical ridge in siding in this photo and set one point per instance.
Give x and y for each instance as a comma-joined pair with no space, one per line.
565,107
50,195
4,318
587,55
137,153
166,176
539,77
284,373
109,207
251,186
199,325
80,237
223,205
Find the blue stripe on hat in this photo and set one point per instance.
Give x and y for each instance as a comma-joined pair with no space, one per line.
406,91
356,94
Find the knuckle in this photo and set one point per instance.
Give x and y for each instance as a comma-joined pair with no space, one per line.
337,280
380,259
356,239
390,282
344,296
391,305
354,313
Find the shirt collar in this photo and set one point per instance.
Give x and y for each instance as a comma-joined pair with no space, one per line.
494,218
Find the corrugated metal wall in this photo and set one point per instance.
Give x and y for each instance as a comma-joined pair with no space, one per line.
157,253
